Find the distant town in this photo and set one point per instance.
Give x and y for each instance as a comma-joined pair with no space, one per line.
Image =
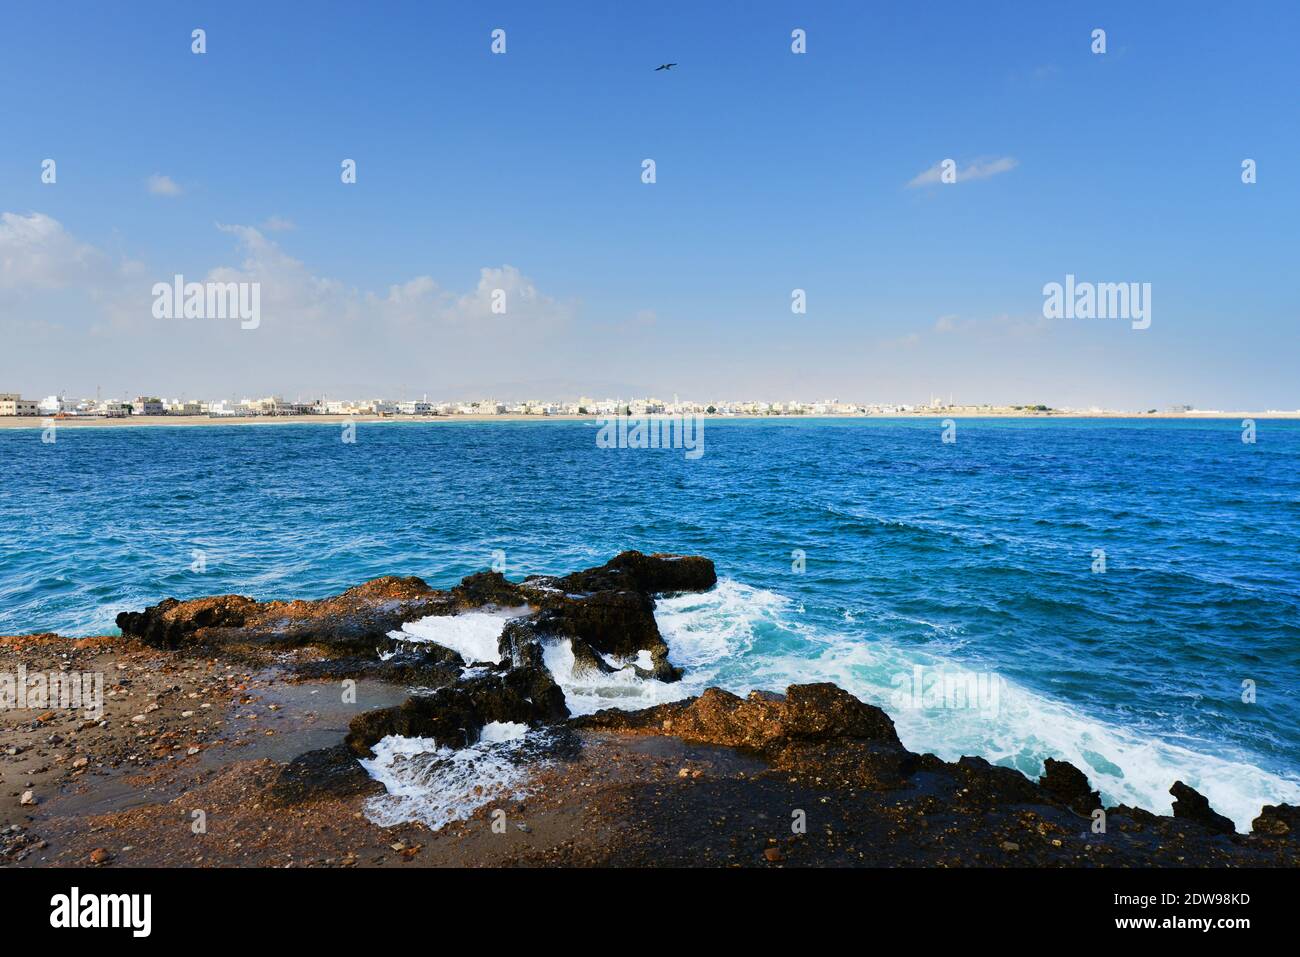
63,407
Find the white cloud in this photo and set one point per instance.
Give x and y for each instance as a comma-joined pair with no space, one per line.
278,224
316,332
290,290
37,252
977,169
161,185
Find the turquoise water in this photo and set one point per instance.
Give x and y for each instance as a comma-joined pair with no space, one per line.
974,557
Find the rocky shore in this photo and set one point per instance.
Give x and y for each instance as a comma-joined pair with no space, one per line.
233,732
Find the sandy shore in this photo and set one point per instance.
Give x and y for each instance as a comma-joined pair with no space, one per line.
174,421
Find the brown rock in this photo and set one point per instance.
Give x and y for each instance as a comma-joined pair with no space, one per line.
765,722
1278,820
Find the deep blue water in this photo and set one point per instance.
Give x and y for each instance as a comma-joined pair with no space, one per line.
975,556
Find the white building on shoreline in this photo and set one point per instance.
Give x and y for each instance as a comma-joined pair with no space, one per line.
11,403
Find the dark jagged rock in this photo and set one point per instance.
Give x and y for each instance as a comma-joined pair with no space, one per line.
586,660
661,669
1277,820
991,785
488,588
1069,786
327,772
454,716
648,574
1193,806
611,608
618,623
520,646
848,763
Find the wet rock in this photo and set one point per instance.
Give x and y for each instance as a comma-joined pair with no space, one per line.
1277,820
1069,786
619,623
327,772
1192,806
488,588
610,609
455,715
661,669
520,645
649,574
586,660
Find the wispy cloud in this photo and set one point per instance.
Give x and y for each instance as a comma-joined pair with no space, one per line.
1001,326
36,252
976,169
278,224
161,185
56,290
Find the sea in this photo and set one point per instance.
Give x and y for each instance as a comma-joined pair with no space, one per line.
1122,594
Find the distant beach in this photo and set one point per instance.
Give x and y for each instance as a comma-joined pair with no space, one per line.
78,422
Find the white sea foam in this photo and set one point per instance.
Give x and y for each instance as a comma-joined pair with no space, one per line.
590,690
472,634
436,785
741,639
702,631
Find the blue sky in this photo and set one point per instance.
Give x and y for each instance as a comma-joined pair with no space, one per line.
775,171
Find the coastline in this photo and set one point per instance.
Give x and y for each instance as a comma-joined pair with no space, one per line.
231,708
188,421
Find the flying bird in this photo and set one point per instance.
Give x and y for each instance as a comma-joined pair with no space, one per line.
665,66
